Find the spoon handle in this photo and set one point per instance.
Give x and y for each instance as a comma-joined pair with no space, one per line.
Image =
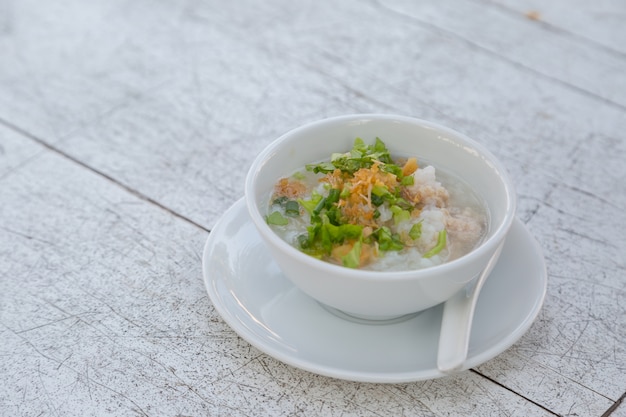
456,322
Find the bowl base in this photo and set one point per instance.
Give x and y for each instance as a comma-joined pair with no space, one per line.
372,320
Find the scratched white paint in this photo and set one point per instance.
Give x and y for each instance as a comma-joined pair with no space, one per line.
102,307
15,151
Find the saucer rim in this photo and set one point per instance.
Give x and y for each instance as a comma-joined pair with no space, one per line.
232,213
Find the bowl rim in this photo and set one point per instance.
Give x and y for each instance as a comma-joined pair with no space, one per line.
486,247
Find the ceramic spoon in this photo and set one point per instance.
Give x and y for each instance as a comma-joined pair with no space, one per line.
456,323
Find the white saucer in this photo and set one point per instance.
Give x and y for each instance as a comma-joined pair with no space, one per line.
262,306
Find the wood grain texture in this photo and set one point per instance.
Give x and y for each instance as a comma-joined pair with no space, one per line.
126,130
15,152
522,40
600,23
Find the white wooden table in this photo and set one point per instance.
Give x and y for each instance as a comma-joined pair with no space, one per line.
127,127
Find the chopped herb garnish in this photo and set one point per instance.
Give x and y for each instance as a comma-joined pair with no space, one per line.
402,203
292,208
334,216
280,201
360,156
416,231
353,258
324,168
377,200
332,198
345,193
303,241
309,205
277,219
400,215
387,241
319,206
441,243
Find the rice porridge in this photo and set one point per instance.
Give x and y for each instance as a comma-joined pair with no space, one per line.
364,209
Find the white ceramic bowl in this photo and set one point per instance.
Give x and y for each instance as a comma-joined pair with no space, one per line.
375,294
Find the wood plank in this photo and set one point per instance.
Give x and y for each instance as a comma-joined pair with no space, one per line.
61,72
15,151
465,394
600,22
584,319
524,42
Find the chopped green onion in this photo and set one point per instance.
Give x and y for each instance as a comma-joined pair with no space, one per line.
332,198
277,219
387,241
339,234
392,169
280,200
336,155
325,239
408,180
441,243
345,193
312,232
360,156
303,240
380,193
353,258
320,205
402,203
416,231
323,235
377,200
310,205
324,168
292,208
334,215
380,190
400,215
